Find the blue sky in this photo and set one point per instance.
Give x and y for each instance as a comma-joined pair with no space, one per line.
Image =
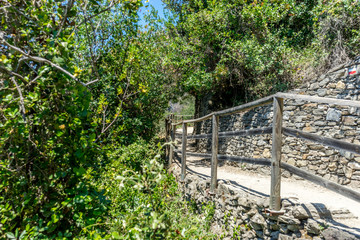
158,5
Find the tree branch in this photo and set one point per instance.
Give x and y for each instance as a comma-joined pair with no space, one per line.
41,60
13,74
102,11
22,105
67,10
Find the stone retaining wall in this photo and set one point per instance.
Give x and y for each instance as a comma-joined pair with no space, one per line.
339,122
240,215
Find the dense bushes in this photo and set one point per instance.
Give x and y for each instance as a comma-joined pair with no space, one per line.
145,200
241,50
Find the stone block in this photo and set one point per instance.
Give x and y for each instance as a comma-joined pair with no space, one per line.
335,233
321,92
340,85
313,227
333,115
349,120
257,222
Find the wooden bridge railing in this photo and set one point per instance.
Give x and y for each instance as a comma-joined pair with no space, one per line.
277,131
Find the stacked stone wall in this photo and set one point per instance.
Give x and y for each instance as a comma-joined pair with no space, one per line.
333,121
241,215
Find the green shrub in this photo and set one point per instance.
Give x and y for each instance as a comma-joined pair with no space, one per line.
145,202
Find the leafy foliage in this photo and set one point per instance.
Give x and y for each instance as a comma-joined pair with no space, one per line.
83,87
145,203
241,50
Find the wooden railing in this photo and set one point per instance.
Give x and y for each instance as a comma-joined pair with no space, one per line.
277,131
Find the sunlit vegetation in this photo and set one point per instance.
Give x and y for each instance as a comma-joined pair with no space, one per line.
83,87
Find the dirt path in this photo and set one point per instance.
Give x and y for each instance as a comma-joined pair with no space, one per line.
345,212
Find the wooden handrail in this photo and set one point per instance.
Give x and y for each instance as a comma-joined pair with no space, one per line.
250,132
277,131
335,101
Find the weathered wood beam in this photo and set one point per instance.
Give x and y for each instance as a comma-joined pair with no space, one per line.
214,154
275,200
341,102
256,161
342,145
183,156
247,106
172,136
347,192
250,132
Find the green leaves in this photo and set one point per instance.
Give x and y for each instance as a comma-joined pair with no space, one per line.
79,171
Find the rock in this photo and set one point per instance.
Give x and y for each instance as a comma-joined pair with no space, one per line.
316,211
262,203
354,166
321,92
293,227
313,227
301,212
288,219
332,166
340,85
266,153
331,85
309,129
349,172
337,234
324,82
284,237
291,161
274,235
244,202
259,234
349,121
223,189
333,115
314,86
283,229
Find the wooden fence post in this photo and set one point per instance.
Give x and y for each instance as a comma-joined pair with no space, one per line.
214,152
167,121
172,146
183,156
275,200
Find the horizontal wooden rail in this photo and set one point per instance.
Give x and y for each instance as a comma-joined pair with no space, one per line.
246,106
335,101
257,161
277,131
269,99
250,132
241,108
347,192
354,148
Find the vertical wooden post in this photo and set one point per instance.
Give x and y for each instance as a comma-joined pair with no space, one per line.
183,156
214,152
167,120
275,200
172,136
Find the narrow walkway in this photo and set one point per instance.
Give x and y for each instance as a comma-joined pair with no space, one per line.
345,212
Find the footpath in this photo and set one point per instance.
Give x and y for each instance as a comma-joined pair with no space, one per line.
339,211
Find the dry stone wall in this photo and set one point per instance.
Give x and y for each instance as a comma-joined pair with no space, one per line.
240,215
339,122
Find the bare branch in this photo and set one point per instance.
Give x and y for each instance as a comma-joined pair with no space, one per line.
22,105
13,74
95,15
41,60
118,112
67,10
91,82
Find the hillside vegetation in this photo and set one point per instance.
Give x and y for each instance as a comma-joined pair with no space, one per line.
84,88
